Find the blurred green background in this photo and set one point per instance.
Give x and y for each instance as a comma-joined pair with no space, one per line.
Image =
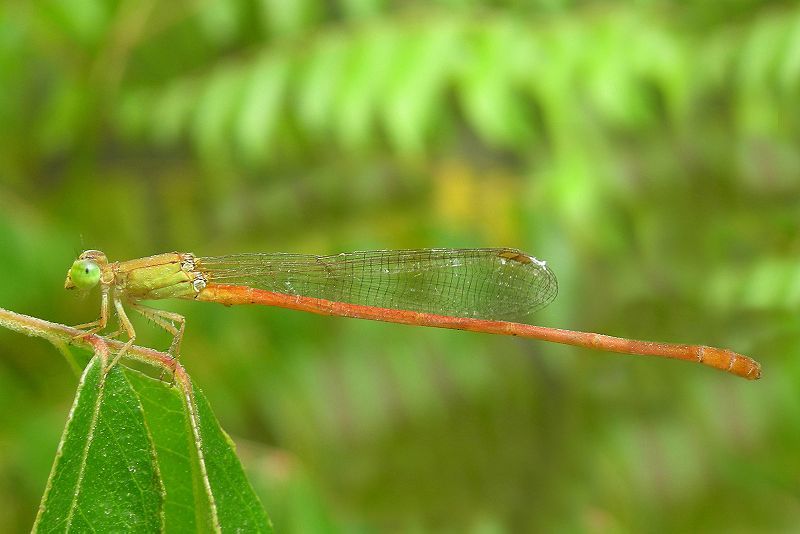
647,149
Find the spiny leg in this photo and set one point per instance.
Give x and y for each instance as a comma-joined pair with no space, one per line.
116,333
165,320
98,325
124,324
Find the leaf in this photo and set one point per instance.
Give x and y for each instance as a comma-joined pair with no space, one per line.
184,504
320,75
82,20
219,20
662,60
362,9
260,112
790,65
215,112
286,18
138,454
486,90
132,114
417,87
613,88
237,507
105,474
369,59
173,108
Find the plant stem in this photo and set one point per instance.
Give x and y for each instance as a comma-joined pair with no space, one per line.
59,334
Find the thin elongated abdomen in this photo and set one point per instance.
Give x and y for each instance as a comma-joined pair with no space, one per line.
722,359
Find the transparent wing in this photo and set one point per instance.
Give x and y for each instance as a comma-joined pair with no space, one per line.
488,283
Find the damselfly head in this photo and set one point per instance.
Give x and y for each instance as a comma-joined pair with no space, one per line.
86,271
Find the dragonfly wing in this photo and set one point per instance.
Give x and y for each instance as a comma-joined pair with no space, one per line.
494,283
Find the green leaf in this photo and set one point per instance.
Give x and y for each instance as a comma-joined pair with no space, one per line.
173,107
286,18
790,65
486,90
220,20
215,112
369,59
237,507
141,455
318,81
610,68
82,20
359,9
258,119
417,86
105,474
184,502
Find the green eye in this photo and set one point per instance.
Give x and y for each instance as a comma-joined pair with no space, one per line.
85,274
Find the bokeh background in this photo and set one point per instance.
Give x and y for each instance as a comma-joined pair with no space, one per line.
647,149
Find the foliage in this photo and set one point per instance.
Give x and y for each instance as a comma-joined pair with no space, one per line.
647,149
139,454
130,456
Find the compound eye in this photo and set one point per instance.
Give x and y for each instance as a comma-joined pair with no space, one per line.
85,274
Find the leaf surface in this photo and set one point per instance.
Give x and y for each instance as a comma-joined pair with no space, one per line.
139,454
